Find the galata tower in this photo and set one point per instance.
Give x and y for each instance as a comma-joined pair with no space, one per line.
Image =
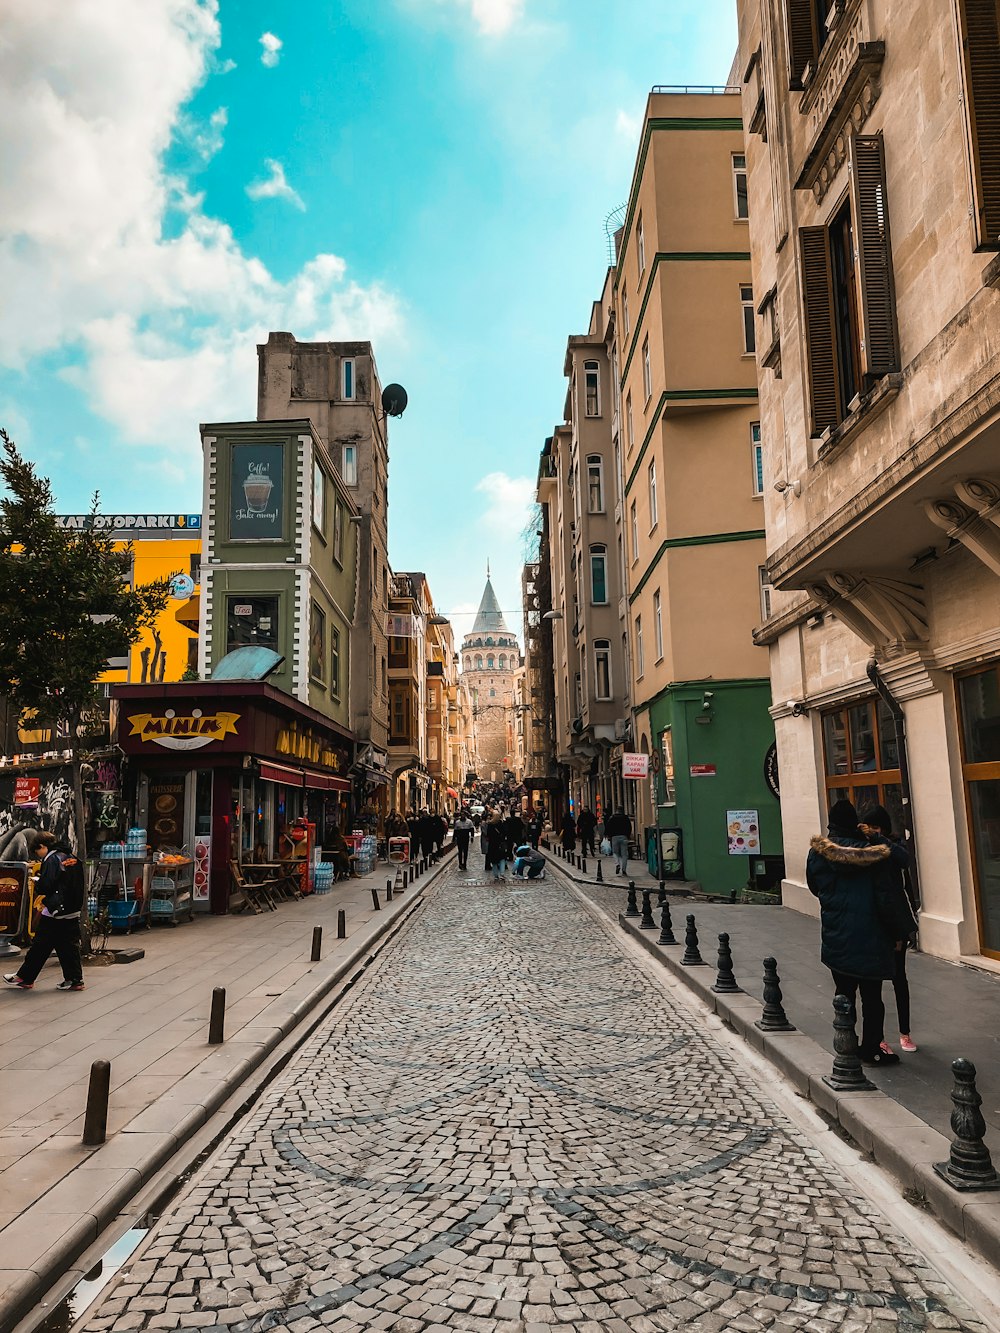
491,664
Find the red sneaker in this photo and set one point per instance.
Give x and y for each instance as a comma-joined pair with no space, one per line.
12,979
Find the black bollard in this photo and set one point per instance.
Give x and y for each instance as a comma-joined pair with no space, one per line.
375,902
647,922
847,1074
725,981
633,907
600,872
969,1165
341,925
583,864
217,1021
773,1017
317,945
388,890
661,895
667,935
692,954
95,1121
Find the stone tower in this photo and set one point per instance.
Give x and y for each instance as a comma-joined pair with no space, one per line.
491,663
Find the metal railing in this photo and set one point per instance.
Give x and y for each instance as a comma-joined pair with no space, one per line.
713,88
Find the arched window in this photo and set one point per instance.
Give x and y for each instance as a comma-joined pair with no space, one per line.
489,661
489,642
479,661
599,575
595,483
493,694
503,661
592,388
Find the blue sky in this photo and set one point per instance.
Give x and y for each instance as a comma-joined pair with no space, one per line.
182,176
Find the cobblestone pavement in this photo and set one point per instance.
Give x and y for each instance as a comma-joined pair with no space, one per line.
485,1138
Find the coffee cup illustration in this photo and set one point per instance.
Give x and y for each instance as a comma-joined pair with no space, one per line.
257,488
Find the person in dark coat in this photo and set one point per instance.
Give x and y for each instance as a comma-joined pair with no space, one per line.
439,831
61,886
618,830
497,848
859,918
515,829
585,826
569,832
462,835
537,827
876,824
425,831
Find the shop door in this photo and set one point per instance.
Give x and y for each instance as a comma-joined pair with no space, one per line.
979,705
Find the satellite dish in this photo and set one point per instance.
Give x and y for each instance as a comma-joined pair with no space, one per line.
394,400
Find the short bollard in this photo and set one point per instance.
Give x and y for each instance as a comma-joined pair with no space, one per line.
773,1017
375,901
388,890
647,922
600,872
692,954
847,1074
661,894
667,935
95,1121
725,981
632,908
583,864
217,1020
969,1165
317,945
341,925
409,871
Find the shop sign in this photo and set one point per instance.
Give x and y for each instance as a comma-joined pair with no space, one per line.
257,492
181,587
702,770
166,813
301,742
192,731
128,522
26,791
743,830
13,882
771,770
635,765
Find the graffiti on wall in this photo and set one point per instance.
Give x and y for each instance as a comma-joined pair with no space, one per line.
54,813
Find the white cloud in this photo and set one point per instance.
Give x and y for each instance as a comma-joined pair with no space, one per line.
510,500
496,16
629,127
271,53
106,255
275,186
205,139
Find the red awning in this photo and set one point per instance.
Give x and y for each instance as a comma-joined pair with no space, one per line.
326,782
298,777
291,777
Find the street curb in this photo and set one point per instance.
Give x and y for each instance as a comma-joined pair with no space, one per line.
675,888
899,1141
134,1155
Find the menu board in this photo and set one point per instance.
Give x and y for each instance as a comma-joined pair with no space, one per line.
257,493
743,829
166,812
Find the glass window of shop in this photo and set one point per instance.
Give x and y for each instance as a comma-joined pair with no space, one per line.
979,705
862,758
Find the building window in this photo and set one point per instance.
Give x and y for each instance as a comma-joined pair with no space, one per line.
624,314
335,661
319,499
503,661
980,23
629,429
317,642
634,525
766,588
640,245
489,662
479,661
850,304
251,621
749,320
640,662
338,532
658,626
592,388
399,715
647,374
654,513
805,27
599,575
756,458
667,767
595,483
493,694
350,465
602,668
740,185
347,377
862,758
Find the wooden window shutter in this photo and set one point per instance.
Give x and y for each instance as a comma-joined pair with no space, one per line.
981,49
873,256
801,31
821,338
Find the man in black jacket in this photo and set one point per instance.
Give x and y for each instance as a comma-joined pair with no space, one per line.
60,884
619,829
586,823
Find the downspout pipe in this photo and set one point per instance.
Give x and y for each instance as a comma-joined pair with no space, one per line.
899,723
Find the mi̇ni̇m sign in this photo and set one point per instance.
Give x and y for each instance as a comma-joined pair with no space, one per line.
257,493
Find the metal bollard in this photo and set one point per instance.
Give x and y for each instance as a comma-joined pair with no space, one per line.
388,890
95,1121
217,1021
847,1074
647,922
666,926
632,908
600,872
317,945
409,872
725,981
692,954
341,925
773,1017
661,896
969,1165
375,902
583,864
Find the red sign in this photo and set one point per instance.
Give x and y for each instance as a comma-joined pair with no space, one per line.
26,791
702,770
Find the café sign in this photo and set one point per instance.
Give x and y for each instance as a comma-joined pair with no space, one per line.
183,731
301,742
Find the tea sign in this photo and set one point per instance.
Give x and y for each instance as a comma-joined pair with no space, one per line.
257,492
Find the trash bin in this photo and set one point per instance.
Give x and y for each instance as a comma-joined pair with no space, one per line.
671,853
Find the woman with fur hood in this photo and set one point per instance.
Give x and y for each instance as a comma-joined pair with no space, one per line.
852,877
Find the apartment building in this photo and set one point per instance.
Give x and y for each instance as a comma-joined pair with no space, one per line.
410,608
691,485
874,204
541,774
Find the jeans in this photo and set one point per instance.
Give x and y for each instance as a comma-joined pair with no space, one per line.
619,848
872,1008
902,989
61,936
500,868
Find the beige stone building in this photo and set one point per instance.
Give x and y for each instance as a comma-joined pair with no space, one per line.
874,205
410,608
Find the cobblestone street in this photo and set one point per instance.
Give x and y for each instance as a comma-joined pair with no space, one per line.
507,1126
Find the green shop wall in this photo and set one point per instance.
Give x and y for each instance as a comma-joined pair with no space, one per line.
247,582
734,742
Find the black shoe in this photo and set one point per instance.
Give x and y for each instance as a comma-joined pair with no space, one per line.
879,1058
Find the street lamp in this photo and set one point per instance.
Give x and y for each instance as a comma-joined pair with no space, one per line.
553,615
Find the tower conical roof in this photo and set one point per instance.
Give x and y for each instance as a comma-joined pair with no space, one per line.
489,617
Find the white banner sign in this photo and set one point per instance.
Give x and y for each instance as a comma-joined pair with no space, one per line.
635,765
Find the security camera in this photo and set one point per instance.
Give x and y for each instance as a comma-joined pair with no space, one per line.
781,487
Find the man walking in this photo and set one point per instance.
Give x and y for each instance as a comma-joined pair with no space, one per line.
60,884
585,825
462,834
619,829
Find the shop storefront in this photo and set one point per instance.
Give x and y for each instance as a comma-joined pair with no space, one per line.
979,707
223,770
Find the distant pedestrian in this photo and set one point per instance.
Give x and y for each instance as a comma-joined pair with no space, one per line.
497,848
537,827
439,831
585,825
60,885
528,862
462,834
516,830
619,829
860,918
568,832
876,823
425,832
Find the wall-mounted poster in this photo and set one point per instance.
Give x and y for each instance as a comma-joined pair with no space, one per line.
743,830
257,495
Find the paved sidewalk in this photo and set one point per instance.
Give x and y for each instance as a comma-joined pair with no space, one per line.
150,1019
